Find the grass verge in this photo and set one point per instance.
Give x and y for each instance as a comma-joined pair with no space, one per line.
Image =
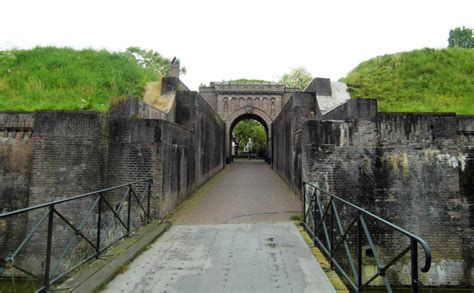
330,273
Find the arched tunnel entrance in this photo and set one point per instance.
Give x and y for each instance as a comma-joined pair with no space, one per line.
237,142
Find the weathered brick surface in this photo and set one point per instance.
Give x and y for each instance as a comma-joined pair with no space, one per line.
67,154
194,113
134,152
408,168
466,175
15,169
234,102
133,108
56,154
16,120
178,165
412,169
286,139
67,159
355,109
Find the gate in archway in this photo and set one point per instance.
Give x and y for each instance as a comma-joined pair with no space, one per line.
236,102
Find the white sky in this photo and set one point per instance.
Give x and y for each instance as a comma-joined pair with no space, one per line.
221,40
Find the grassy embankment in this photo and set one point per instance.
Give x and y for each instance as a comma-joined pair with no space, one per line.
426,80
63,78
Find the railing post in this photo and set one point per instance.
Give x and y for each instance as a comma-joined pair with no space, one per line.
148,201
314,215
49,245
331,232
304,203
359,251
316,195
129,209
99,224
414,265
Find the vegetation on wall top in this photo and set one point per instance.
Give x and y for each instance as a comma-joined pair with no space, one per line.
426,80
64,78
246,81
461,37
297,78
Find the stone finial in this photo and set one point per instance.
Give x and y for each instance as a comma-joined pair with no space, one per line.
175,67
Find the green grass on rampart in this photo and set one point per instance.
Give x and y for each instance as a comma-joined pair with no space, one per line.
64,78
426,80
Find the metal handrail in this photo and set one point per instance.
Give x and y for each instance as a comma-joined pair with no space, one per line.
100,204
320,213
74,197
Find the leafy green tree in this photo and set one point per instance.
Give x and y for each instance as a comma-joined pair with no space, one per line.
461,37
152,61
250,128
298,78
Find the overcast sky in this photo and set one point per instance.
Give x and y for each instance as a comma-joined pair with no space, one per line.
222,40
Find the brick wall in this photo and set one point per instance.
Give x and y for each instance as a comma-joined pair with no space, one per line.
15,169
133,108
67,159
286,140
409,169
50,155
134,153
355,109
194,113
178,165
466,175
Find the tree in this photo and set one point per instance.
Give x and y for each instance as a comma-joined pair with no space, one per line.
151,60
298,78
461,37
253,129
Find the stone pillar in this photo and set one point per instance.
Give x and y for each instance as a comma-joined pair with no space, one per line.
175,67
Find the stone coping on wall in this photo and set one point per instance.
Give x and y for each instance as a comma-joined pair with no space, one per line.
466,124
16,120
221,88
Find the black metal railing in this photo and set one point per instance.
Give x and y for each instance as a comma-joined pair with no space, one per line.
324,215
92,219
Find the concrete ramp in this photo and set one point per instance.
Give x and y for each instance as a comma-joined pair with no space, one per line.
264,257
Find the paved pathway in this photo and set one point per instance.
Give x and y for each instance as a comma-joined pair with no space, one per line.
207,251
226,258
245,192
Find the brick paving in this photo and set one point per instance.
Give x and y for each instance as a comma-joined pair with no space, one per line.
246,191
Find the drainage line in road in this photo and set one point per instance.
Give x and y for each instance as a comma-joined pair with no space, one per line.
260,214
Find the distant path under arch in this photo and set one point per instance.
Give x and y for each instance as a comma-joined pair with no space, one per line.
247,113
